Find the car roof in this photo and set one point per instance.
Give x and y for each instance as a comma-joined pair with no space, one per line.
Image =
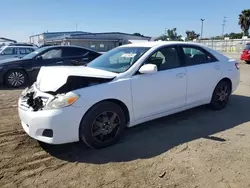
19,46
151,44
70,46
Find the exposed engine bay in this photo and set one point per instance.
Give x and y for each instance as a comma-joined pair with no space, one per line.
77,82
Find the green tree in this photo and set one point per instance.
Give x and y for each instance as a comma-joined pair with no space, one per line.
244,21
234,35
191,35
171,35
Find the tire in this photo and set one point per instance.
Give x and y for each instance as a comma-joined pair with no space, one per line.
16,78
248,62
221,95
103,125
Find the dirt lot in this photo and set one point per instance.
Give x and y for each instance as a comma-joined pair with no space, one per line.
196,148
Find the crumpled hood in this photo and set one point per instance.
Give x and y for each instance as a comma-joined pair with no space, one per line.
52,78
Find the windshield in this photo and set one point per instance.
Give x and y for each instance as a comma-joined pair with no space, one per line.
119,59
34,53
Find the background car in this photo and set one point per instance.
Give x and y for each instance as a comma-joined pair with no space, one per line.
7,52
22,44
20,72
245,55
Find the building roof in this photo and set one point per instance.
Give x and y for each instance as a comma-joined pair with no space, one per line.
2,39
110,36
62,33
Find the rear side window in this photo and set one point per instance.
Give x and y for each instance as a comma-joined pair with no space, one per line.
197,56
25,51
72,52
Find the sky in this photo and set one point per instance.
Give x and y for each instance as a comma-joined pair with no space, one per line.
23,18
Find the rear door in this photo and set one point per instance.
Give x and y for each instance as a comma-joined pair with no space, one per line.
77,56
24,51
203,73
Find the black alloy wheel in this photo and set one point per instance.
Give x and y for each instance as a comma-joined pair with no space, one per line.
105,127
102,125
221,95
16,78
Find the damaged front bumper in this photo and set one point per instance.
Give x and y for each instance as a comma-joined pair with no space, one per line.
54,126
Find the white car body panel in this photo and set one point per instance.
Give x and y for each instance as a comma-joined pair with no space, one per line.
146,97
168,87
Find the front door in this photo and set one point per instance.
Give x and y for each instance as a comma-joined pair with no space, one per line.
52,57
9,52
162,91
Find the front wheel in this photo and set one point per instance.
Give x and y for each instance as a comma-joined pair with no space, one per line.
248,62
16,78
221,95
103,125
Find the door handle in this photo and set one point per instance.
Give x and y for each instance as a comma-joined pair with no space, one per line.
180,75
59,62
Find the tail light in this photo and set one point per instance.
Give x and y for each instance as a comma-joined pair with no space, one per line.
237,65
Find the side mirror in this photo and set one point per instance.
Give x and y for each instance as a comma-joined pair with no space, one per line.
148,69
39,57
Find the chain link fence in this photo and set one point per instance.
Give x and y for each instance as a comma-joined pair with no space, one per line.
231,45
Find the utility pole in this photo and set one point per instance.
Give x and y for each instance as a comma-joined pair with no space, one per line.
202,20
223,26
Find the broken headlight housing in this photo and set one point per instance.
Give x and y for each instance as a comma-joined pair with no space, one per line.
24,92
62,100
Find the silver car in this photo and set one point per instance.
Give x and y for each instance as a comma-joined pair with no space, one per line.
7,52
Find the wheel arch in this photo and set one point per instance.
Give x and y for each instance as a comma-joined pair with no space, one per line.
119,103
228,80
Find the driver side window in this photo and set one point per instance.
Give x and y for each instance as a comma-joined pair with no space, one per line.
51,54
165,58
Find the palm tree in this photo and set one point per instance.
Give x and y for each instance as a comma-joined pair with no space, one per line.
171,35
244,21
191,35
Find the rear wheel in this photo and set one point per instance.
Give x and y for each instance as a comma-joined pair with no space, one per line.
103,125
248,62
221,95
16,78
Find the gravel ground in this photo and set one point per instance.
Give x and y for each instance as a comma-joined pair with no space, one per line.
195,148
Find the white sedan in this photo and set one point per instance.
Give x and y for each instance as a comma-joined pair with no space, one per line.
126,86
